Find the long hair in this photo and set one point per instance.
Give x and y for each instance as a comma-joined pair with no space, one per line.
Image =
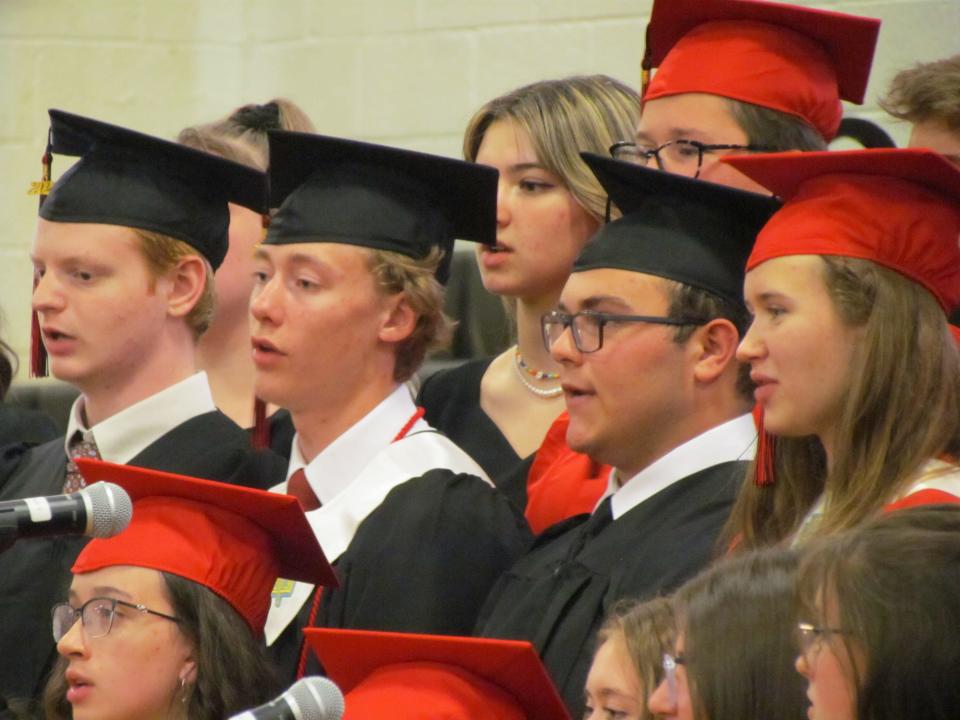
233,671
895,584
737,620
563,118
901,409
648,630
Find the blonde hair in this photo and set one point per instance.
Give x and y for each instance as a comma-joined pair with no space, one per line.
563,118
162,253
927,92
242,135
416,279
648,630
901,409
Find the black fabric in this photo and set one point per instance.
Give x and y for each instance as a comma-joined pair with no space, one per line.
336,190
558,594
421,562
30,427
36,572
451,399
127,178
280,427
691,231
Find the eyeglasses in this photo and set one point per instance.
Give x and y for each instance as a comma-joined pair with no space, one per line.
670,663
587,326
809,636
97,615
681,157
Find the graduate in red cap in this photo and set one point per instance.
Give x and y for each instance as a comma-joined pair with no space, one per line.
732,76
436,677
857,372
126,245
165,619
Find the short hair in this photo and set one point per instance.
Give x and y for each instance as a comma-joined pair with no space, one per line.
737,619
416,279
689,301
927,92
162,253
894,583
233,670
563,118
774,130
648,630
242,136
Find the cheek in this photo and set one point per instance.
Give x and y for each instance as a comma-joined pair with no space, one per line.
724,174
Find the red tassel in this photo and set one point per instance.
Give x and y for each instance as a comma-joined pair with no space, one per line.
38,353
261,429
766,452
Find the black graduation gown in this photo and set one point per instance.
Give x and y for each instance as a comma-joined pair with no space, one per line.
35,573
559,593
422,562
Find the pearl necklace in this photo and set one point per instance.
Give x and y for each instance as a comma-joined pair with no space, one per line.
545,393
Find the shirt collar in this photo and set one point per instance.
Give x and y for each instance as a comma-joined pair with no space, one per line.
732,440
338,464
124,435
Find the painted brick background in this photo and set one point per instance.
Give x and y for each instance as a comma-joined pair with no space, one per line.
404,72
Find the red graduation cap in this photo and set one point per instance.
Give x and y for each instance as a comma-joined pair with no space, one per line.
406,676
236,541
899,208
796,60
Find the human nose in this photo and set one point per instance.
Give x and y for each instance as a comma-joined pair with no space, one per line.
72,642
751,346
265,303
503,202
46,295
660,702
564,348
802,665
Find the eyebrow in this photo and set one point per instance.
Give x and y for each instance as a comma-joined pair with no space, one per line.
591,303
521,167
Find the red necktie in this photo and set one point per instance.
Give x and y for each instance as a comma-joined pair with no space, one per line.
299,487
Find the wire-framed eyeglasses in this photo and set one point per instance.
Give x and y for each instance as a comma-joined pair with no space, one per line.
670,663
809,636
681,157
97,615
587,326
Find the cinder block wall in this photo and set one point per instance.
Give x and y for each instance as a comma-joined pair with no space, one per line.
404,72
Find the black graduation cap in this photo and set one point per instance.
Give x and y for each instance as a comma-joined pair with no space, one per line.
695,232
127,178
344,191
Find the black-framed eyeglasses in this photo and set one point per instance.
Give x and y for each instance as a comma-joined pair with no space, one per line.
809,636
670,663
681,157
587,326
96,614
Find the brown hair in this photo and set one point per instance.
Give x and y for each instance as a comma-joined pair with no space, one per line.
162,254
233,671
895,583
927,92
775,130
649,630
901,409
416,279
563,118
242,135
737,621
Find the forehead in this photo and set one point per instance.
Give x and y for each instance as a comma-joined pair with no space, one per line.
93,239
790,274
614,287
695,115
505,142
142,584
335,256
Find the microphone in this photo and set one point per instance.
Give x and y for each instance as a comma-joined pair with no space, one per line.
100,510
309,698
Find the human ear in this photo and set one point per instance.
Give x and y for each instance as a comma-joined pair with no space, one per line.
398,320
186,283
714,346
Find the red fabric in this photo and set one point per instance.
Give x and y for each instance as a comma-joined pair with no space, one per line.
757,63
923,497
561,482
299,487
898,208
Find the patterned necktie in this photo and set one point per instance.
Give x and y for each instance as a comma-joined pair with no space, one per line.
299,487
82,445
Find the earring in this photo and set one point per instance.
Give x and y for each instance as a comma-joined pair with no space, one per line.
183,691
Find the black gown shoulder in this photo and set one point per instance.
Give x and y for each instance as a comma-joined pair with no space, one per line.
23,425
451,399
558,594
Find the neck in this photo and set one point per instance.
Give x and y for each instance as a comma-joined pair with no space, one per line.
224,353
322,423
529,335
104,400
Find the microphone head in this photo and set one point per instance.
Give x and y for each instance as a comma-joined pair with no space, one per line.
318,698
109,509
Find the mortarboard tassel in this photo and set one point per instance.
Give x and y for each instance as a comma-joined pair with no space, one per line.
766,452
38,353
645,67
261,429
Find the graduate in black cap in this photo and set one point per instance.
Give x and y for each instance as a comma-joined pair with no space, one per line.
646,333
124,254
347,302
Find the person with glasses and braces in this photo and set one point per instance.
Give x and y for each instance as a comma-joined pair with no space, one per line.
645,335
165,619
732,77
